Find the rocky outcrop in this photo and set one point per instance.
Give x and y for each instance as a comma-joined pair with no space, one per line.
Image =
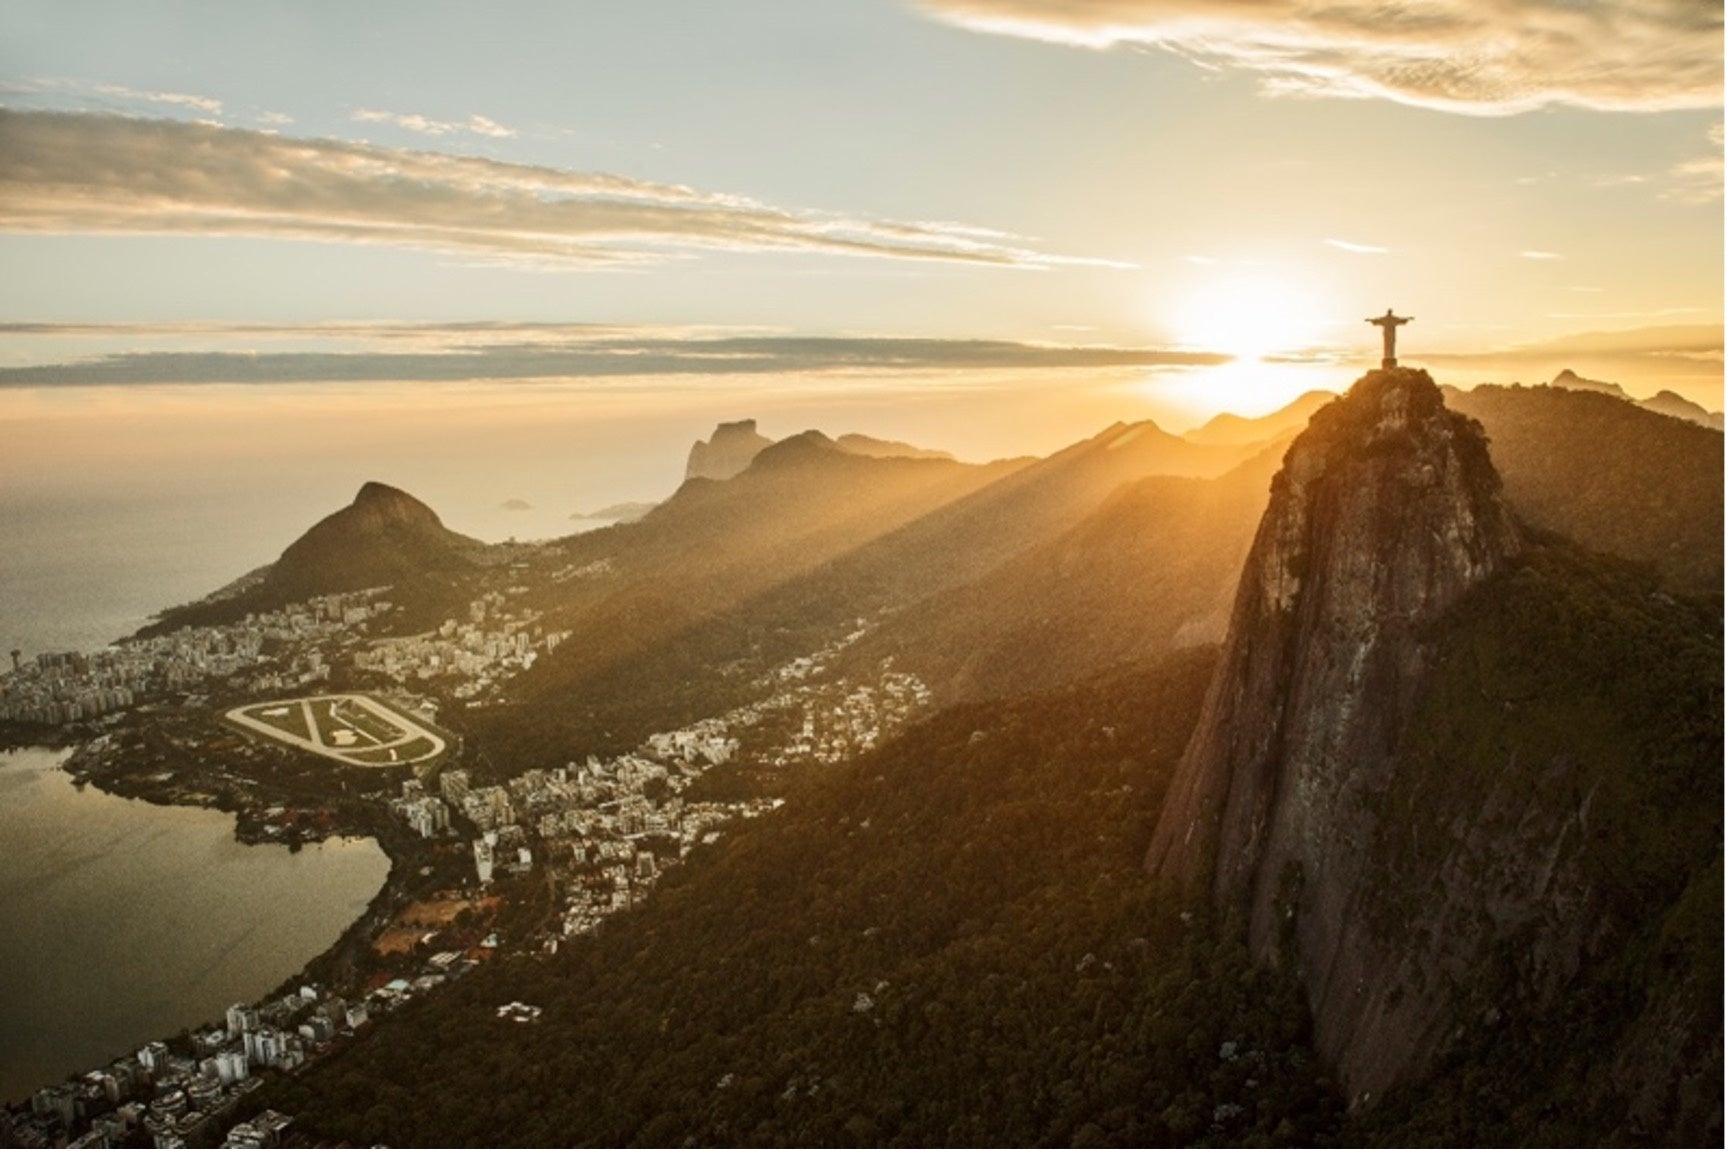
726,453
384,537
1568,378
1387,511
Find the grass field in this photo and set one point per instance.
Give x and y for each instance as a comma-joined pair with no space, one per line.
352,729
288,717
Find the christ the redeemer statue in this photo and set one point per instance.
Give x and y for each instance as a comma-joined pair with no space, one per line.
1389,325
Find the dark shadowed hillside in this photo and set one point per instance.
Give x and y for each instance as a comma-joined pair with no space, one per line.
1610,475
1553,847
731,576
385,537
949,942
1028,506
659,609
1151,570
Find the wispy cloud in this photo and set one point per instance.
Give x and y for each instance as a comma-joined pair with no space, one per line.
1700,179
1539,254
64,172
1475,56
474,125
463,352
1362,249
205,104
1675,350
110,97
1637,314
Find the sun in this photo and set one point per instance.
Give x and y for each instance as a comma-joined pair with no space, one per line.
1247,314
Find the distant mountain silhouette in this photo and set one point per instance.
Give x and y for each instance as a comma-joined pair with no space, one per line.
1669,404
625,513
1568,378
1665,403
795,549
735,445
1609,475
1229,428
671,602
870,446
727,452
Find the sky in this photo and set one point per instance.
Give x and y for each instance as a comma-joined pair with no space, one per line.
880,210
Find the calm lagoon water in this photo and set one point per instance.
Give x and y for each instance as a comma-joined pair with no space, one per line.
122,921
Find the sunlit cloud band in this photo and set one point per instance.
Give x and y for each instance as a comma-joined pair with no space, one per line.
486,352
68,172
1487,57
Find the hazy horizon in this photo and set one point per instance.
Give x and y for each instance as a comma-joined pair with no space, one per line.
1002,198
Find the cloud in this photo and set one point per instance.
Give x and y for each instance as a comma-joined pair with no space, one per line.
464,352
1638,314
474,125
1362,249
1700,179
205,104
66,172
109,96
1539,254
1674,348
1488,57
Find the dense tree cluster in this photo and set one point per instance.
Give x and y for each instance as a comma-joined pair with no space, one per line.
952,941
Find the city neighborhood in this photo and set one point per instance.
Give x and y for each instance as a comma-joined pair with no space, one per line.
600,831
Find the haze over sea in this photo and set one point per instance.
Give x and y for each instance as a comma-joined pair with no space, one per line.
117,502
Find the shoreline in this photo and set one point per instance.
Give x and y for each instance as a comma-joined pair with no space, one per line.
332,965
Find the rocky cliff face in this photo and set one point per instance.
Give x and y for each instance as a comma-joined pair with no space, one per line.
1386,513
726,453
